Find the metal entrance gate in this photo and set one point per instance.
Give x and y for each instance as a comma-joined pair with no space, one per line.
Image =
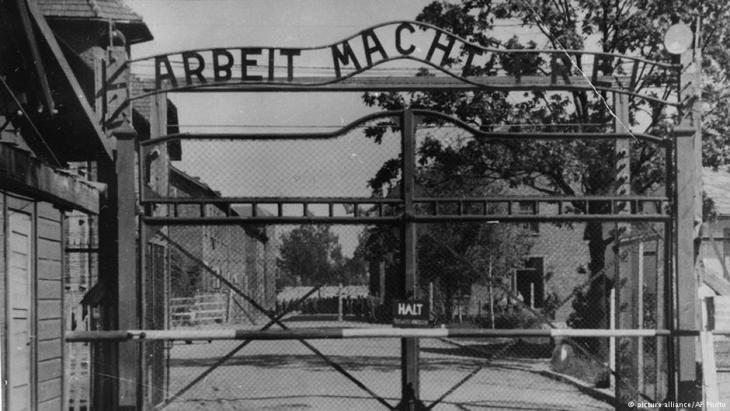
410,227
539,298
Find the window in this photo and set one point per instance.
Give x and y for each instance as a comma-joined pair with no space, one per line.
530,282
217,279
529,208
726,247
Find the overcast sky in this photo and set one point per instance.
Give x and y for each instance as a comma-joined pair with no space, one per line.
189,24
297,169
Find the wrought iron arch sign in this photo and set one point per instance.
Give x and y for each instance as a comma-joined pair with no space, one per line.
463,65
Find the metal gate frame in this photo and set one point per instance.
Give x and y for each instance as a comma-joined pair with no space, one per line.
623,208
676,209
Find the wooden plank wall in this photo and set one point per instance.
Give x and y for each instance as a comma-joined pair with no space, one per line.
49,293
722,346
3,279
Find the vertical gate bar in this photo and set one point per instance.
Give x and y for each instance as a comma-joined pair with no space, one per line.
628,289
659,359
669,255
158,173
103,372
409,346
142,268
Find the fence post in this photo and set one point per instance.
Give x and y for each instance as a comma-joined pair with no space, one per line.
640,316
491,295
409,346
612,340
627,287
339,303
688,211
128,284
229,297
710,383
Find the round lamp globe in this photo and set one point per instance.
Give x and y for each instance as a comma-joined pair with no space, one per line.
678,38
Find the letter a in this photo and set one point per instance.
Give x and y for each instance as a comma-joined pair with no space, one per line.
168,75
376,47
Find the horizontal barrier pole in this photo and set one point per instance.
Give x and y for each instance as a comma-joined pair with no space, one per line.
346,333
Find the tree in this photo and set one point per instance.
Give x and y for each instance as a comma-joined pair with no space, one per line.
633,27
311,255
493,251
456,256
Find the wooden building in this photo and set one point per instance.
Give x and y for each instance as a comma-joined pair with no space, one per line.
49,124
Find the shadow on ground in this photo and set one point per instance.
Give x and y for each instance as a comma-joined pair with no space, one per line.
501,350
312,362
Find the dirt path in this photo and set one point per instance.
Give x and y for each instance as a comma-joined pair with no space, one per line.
285,375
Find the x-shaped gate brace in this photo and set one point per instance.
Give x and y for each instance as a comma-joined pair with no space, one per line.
276,320
273,320
537,314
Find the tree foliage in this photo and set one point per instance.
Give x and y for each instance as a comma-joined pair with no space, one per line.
310,255
456,256
450,256
577,167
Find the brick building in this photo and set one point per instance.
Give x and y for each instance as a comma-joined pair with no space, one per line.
243,255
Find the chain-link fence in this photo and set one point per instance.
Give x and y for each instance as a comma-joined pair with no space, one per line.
506,276
81,271
270,277
543,291
549,286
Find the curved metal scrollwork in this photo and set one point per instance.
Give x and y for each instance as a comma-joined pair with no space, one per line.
464,64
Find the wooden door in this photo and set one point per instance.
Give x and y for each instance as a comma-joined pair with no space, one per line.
19,306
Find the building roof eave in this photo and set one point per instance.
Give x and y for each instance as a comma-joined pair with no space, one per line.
87,113
32,177
210,193
135,32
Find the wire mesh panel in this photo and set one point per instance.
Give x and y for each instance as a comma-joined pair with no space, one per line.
242,233
317,165
475,374
543,284
534,169
285,374
536,276
81,271
229,277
